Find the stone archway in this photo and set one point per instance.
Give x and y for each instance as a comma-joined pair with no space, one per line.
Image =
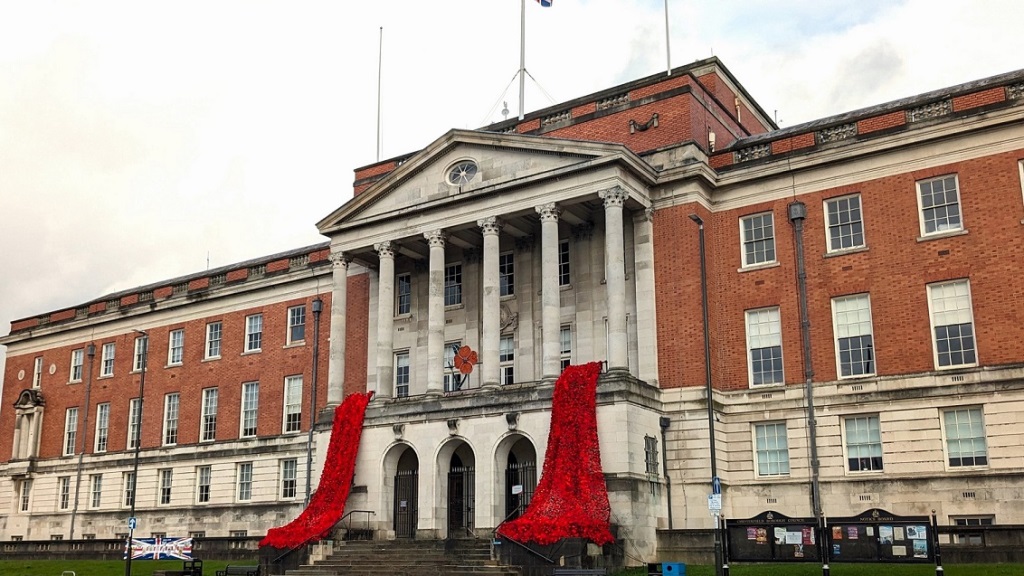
401,471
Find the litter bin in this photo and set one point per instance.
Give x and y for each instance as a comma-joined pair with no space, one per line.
673,569
654,569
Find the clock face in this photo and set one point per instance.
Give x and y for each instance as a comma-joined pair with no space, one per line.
461,173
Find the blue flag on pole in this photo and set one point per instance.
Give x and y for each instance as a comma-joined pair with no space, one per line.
546,3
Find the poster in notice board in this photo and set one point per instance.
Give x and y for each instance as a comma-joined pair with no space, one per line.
771,536
879,536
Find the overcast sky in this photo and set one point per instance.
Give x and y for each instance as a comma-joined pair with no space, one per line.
141,140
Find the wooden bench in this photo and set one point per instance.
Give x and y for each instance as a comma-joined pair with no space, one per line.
239,570
580,572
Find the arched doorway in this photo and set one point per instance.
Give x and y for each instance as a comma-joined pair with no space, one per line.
459,460
406,501
520,477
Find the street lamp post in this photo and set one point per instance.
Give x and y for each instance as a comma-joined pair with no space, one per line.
720,566
318,306
138,446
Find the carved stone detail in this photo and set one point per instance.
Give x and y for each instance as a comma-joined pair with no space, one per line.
614,197
930,110
436,238
491,225
836,133
549,212
386,249
753,152
339,259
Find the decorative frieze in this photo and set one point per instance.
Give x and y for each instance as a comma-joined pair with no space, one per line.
180,288
753,152
836,133
613,101
556,118
549,212
300,260
931,110
257,270
1015,91
218,279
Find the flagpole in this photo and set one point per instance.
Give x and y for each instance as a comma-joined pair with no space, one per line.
380,64
522,58
668,50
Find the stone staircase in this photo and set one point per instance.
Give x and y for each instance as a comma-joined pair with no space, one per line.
408,558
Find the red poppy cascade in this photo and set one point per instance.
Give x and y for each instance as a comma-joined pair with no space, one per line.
571,499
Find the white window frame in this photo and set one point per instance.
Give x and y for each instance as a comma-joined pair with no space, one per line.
129,487
25,495
507,274
1020,168
70,431
109,351
747,263
403,294
289,479
565,346
784,468
95,490
63,492
854,224
249,413
975,417
453,284
37,372
134,432
975,538
564,263
138,357
163,494
295,314
102,427
935,309
291,421
77,365
449,372
844,325
172,407
208,415
214,340
253,333
243,482
204,483
176,347
751,335
863,432
920,207
402,379
507,359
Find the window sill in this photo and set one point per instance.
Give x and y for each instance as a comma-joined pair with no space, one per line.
858,379
458,306
251,352
100,377
564,287
754,267
507,297
957,367
845,251
296,344
73,382
174,365
865,472
211,358
777,386
405,316
946,234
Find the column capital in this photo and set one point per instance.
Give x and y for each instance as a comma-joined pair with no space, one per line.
339,259
491,225
436,238
613,197
386,249
548,212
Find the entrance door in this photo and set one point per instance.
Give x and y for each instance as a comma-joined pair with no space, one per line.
524,476
460,502
406,489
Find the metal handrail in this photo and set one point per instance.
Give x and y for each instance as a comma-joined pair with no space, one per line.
516,542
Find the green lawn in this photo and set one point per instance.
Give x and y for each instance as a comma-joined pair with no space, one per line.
848,570
102,567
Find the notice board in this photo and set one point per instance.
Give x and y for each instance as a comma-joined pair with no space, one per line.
876,535
772,537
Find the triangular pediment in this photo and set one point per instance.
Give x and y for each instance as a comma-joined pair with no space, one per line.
502,162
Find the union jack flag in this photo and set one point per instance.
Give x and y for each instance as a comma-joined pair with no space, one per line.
160,549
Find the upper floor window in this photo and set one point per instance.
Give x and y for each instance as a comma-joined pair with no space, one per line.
107,359
845,223
965,437
129,489
289,478
208,418
453,285
250,408
204,476
952,324
507,357
939,200
166,480
95,490
175,347
171,404
254,333
764,346
402,374
244,490
863,443
564,278
758,235
296,324
213,336
139,358
24,494
565,345
855,354
772,448
293,403
452,377
102,426
37,372
77,357
507,274
64,492
134,411
70,430
403,294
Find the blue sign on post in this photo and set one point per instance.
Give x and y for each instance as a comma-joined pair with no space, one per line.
716,485
132,523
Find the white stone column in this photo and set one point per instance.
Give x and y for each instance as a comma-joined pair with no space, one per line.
34,434
615,278
339,302
491,303
646,314
17,448
386,318
551,349
435,312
